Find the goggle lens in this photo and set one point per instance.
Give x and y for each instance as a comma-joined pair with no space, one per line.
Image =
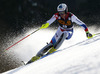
62,12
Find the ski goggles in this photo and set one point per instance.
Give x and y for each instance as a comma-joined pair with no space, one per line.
62,12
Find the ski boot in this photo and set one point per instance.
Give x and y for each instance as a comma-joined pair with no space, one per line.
51,50
33,59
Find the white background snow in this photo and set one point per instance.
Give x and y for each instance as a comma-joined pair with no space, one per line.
78,55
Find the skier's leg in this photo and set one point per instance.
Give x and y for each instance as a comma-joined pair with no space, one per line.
57,44
50,46
60,41
44,50
41,53
57,40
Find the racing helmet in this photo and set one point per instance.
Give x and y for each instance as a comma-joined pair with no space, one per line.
62,8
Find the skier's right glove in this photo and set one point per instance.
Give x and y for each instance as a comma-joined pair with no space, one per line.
89,35
44,25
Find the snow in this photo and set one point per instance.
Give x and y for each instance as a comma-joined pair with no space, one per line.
76,56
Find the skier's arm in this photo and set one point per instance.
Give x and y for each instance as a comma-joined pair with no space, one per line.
49,22
79,22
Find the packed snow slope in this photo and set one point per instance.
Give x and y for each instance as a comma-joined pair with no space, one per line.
76,56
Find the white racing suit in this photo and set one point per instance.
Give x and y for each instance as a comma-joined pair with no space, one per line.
65,31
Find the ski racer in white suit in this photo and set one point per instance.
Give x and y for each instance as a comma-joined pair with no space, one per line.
64,32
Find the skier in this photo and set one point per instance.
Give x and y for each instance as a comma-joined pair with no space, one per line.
64,32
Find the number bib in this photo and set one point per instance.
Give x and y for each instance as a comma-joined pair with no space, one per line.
65,24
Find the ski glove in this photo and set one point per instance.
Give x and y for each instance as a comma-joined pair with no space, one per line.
89,35
44,25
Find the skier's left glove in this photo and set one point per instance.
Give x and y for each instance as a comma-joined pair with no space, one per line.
89,35
44,25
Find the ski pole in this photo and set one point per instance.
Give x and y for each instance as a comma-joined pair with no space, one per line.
93,35
22,39
97,34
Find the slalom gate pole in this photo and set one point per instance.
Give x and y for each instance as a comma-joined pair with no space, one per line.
21,39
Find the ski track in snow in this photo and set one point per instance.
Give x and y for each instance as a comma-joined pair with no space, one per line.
79,57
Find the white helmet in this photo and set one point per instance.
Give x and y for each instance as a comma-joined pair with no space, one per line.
62,7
